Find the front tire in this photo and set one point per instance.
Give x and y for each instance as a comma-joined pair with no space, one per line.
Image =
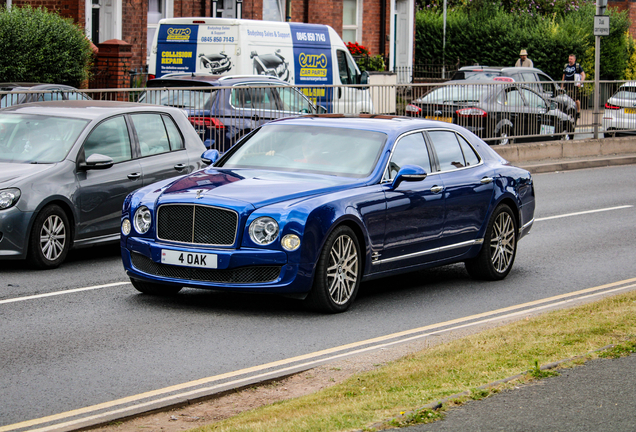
504,136
338,272
498,252
154,288
50,238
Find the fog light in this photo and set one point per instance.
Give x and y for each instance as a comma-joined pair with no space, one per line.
125,227
290,242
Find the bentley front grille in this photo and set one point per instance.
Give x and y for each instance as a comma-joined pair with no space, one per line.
197,224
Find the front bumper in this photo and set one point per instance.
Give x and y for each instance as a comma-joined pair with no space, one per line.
248,270
14,228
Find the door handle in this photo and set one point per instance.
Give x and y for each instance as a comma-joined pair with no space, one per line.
179,167
134,176
437,189
486,180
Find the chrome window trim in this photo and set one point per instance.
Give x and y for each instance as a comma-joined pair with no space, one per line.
431,251
397,140
481,160
193,221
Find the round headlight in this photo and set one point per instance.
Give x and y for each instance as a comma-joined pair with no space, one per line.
290,242
264,230
143,220
125,227
8,197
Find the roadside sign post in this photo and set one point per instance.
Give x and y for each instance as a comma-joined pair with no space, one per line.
601,28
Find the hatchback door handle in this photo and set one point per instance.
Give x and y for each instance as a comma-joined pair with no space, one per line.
134,176
486,180
179,167
437,189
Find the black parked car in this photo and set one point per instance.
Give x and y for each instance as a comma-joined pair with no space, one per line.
224,109
544,84
495,110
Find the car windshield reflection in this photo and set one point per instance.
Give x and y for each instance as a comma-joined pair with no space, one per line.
37,139
321,150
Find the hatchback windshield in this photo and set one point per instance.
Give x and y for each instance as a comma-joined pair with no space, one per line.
323,150
37,139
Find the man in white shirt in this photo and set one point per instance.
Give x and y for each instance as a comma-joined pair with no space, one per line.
523,60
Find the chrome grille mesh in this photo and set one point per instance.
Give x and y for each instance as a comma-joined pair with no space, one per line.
197,224
240,275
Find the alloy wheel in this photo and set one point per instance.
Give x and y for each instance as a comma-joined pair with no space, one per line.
342,271
53,237
502,242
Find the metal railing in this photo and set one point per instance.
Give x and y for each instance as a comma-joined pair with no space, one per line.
498,112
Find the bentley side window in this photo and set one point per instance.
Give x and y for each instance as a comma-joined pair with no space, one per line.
449,153
409,150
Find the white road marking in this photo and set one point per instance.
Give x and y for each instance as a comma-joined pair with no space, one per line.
582,213
56,293
92,415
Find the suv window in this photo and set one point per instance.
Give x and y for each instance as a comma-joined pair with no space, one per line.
253,98
292,100
192,99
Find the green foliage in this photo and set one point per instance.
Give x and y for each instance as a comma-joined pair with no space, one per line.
518,7
40,46
491,36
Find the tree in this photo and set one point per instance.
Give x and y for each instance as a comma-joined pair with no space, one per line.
42,46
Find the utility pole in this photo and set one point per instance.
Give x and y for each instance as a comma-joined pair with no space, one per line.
601,28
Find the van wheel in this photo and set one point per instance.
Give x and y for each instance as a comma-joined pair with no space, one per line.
50,238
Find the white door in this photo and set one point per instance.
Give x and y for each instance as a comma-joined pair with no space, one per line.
110,20
403,39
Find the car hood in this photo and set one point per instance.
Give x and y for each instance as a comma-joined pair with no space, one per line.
257,188
10,173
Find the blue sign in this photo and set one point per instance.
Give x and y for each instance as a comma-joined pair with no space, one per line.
176,49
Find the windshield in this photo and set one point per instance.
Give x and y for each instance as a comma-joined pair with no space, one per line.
455,94
316,149
191,99
37,138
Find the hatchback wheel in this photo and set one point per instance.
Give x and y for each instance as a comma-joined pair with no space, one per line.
50,238
497,254
154,288
338,272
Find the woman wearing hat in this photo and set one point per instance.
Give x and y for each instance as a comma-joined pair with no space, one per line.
523,60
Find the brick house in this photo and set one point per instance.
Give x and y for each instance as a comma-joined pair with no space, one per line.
386,27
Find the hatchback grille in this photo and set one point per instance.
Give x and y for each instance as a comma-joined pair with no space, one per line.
239,275
197,224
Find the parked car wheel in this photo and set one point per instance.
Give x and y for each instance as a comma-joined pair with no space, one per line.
154,288
504,136
50,238
338,272
499,249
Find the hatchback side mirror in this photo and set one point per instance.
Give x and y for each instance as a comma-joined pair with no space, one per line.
97,161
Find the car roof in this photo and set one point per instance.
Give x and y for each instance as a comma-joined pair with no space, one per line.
503,69
388,124
211,80
87,109
18,86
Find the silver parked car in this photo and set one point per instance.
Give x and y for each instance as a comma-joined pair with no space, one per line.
67,166
619,117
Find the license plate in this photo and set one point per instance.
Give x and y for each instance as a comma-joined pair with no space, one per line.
630,110
546,130
188,259
444,119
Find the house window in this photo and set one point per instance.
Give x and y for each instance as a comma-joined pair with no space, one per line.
156,11
351,19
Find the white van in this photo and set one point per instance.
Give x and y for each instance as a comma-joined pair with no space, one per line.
311,55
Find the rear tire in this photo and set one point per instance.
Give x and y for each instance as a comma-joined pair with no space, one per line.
50,238
154,288
504,136
338,273
498,252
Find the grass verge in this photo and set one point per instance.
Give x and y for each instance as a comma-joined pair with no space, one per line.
400,389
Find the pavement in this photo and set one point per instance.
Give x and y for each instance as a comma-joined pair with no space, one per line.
597,396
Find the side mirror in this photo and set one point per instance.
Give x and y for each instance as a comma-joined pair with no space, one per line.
364,77
209,157
409,173
97,161
321,109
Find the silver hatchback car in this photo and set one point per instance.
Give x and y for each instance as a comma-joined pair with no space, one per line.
67,166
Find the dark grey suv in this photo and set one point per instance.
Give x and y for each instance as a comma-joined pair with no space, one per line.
67,166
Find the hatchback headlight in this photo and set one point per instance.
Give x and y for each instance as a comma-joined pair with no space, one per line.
9,197
264,230
142,220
